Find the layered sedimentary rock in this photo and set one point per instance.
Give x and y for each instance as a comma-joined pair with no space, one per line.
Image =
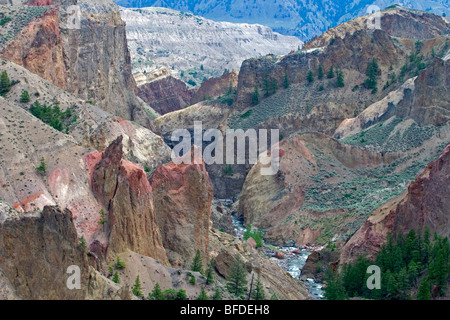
215,87
47,261
37,249
165,94
425,203
182,195
123,189
398,22
182,41
85,53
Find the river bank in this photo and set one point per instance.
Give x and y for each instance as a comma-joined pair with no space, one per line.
292,259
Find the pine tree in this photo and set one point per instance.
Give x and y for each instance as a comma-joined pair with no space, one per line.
266,85
203,295
25,96
372,74
237,280
258,293
5,83
115,278
310,76
197,265
137,288
286,83
83,244
181,295
255,96
156,293
320,72
330,73
119,264
335,289
424,290
217,295
42,167
340,79
209,275
273,86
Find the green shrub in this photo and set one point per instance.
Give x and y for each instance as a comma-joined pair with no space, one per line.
25,96
119,264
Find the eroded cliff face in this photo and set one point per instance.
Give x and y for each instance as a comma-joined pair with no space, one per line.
36,266
87,56
123,189
182,197
36,250
165,94
398,22
225,248
315,177
183,41
425,203
215,87
39,48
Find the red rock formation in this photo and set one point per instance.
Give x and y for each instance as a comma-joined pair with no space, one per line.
182,197
122,187
165,95
39,49
425,203
215,87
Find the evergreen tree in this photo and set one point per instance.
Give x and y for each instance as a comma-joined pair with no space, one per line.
209,275
42,166
424,290
197,264
115,278
255,96
137,288
372,74
119,264
181,295
192,279
273,86
170,294
5,83
286,83
83,244
156,293
258,293
237,280
330,73
340,79
335,289
320,72
310,76
266,85
25,96
203,295
217,295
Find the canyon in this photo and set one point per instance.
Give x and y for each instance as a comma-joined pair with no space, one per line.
87,171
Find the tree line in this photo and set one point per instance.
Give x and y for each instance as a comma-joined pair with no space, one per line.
414,267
